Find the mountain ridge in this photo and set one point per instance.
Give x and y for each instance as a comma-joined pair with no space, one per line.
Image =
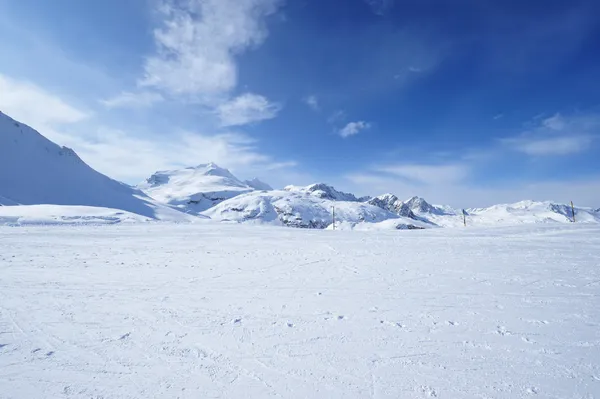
37,171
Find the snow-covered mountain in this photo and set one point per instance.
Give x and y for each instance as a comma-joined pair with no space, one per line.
324,191
34,170
302,209
196,189
39,181
505,214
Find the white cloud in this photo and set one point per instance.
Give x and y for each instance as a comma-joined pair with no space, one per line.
132,158
133,100
556,122
428,174
552,145
353,128
449,183
25,101
337,116
557,135
312,102
198,43
246,108
134,154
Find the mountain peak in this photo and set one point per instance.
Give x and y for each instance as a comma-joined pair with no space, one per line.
418,204
212,169
387,197
324,191
391,203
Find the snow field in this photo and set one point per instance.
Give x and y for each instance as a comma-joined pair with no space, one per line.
230,311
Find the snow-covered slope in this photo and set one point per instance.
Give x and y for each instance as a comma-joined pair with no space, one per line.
64,215
34,170
297,209
530,212
324,191
258,184
195,189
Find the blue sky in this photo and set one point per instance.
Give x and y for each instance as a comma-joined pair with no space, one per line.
467,102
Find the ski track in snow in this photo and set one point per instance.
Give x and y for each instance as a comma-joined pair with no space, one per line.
207,311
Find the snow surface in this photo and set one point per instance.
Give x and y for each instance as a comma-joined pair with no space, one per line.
294,209
198,188
34,170
194,311
400,223
62,214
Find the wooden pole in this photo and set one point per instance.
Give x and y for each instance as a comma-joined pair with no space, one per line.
333,215
573,211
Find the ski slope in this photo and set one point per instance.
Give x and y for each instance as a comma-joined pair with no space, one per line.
234,311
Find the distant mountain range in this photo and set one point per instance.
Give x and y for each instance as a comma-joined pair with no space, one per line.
43,182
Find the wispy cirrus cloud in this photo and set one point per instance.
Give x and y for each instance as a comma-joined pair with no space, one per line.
133,100
312,101
245,109
558,135
132,158
26,101
551,146
354,128
426,173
